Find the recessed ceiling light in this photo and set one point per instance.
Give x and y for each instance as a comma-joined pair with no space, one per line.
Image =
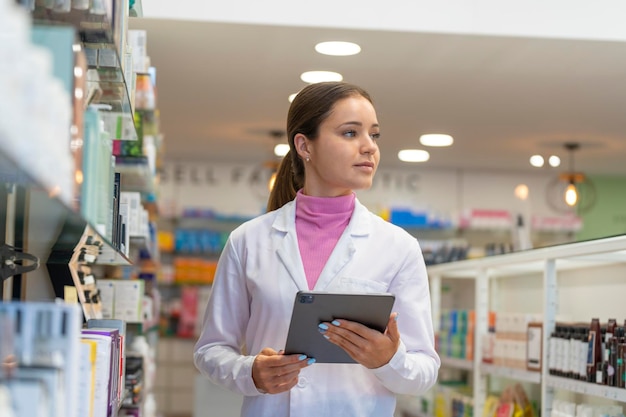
292,96
313,77
436,139
536,161
338,48
413,155
281,149
554,161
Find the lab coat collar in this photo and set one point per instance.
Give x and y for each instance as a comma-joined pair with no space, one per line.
286,242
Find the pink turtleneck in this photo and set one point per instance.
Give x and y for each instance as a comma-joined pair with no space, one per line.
320,221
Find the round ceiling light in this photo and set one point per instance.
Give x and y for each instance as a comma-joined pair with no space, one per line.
313,77
536,161
281,149
554,161
413,155
338,48
436,139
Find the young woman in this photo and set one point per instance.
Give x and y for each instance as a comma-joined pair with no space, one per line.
316,235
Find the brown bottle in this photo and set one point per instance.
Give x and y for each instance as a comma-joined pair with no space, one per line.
608,372
594,356
619,360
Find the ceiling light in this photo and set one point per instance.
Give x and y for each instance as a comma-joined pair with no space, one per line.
281,149
436,139
292,96
413,155
536,161
571,190
571,195
313,77
554,161
338,48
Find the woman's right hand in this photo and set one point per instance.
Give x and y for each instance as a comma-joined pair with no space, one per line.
274,372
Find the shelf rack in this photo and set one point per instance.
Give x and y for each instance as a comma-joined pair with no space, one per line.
544,263
100,36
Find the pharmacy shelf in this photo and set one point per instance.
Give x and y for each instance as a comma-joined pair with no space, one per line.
101,39
52,206
592,253
554,266
111,256
520,375
587,388
457,363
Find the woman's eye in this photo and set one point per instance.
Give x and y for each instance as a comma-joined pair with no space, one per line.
350,133
375,136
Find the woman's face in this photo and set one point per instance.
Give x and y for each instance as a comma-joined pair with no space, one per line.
345,155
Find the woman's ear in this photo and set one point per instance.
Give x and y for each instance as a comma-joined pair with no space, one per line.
302,145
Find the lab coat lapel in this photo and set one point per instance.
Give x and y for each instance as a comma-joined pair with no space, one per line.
285,241
344,251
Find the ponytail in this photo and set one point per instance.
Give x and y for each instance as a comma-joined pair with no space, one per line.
286,184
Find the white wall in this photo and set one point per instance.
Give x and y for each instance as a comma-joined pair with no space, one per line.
572,19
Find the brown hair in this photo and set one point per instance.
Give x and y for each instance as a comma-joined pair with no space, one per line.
309,109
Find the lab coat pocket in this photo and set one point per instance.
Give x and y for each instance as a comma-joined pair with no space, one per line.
360,285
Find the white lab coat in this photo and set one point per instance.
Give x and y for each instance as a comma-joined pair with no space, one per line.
258,275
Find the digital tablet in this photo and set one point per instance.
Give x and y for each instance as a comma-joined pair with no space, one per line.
311,308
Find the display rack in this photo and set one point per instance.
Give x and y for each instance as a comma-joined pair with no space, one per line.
546,265
101,35
39,215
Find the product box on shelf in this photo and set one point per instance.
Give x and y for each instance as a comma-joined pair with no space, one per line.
124,298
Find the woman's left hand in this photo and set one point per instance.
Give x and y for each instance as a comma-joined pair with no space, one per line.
368,347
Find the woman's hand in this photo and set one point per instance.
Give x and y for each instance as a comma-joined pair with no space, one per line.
274,372
368,347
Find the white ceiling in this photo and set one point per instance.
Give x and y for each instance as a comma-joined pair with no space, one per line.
223,86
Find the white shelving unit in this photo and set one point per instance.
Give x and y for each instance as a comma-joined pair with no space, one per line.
549,269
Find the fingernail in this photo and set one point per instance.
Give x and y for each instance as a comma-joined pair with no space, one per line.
335,322
323,326
301,357
310,361
326,336
396,317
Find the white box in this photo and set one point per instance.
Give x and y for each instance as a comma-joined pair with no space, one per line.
133,200
107,297
127,298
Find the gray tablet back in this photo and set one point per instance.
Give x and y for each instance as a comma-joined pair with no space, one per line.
312,308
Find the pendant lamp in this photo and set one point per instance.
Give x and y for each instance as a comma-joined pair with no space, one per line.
571,191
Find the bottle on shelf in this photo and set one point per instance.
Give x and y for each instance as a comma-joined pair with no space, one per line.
594,356
608,372
621,358
583,346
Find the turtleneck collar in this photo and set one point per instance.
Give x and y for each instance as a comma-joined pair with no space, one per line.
309,205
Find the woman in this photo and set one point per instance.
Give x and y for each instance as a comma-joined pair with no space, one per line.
316,235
